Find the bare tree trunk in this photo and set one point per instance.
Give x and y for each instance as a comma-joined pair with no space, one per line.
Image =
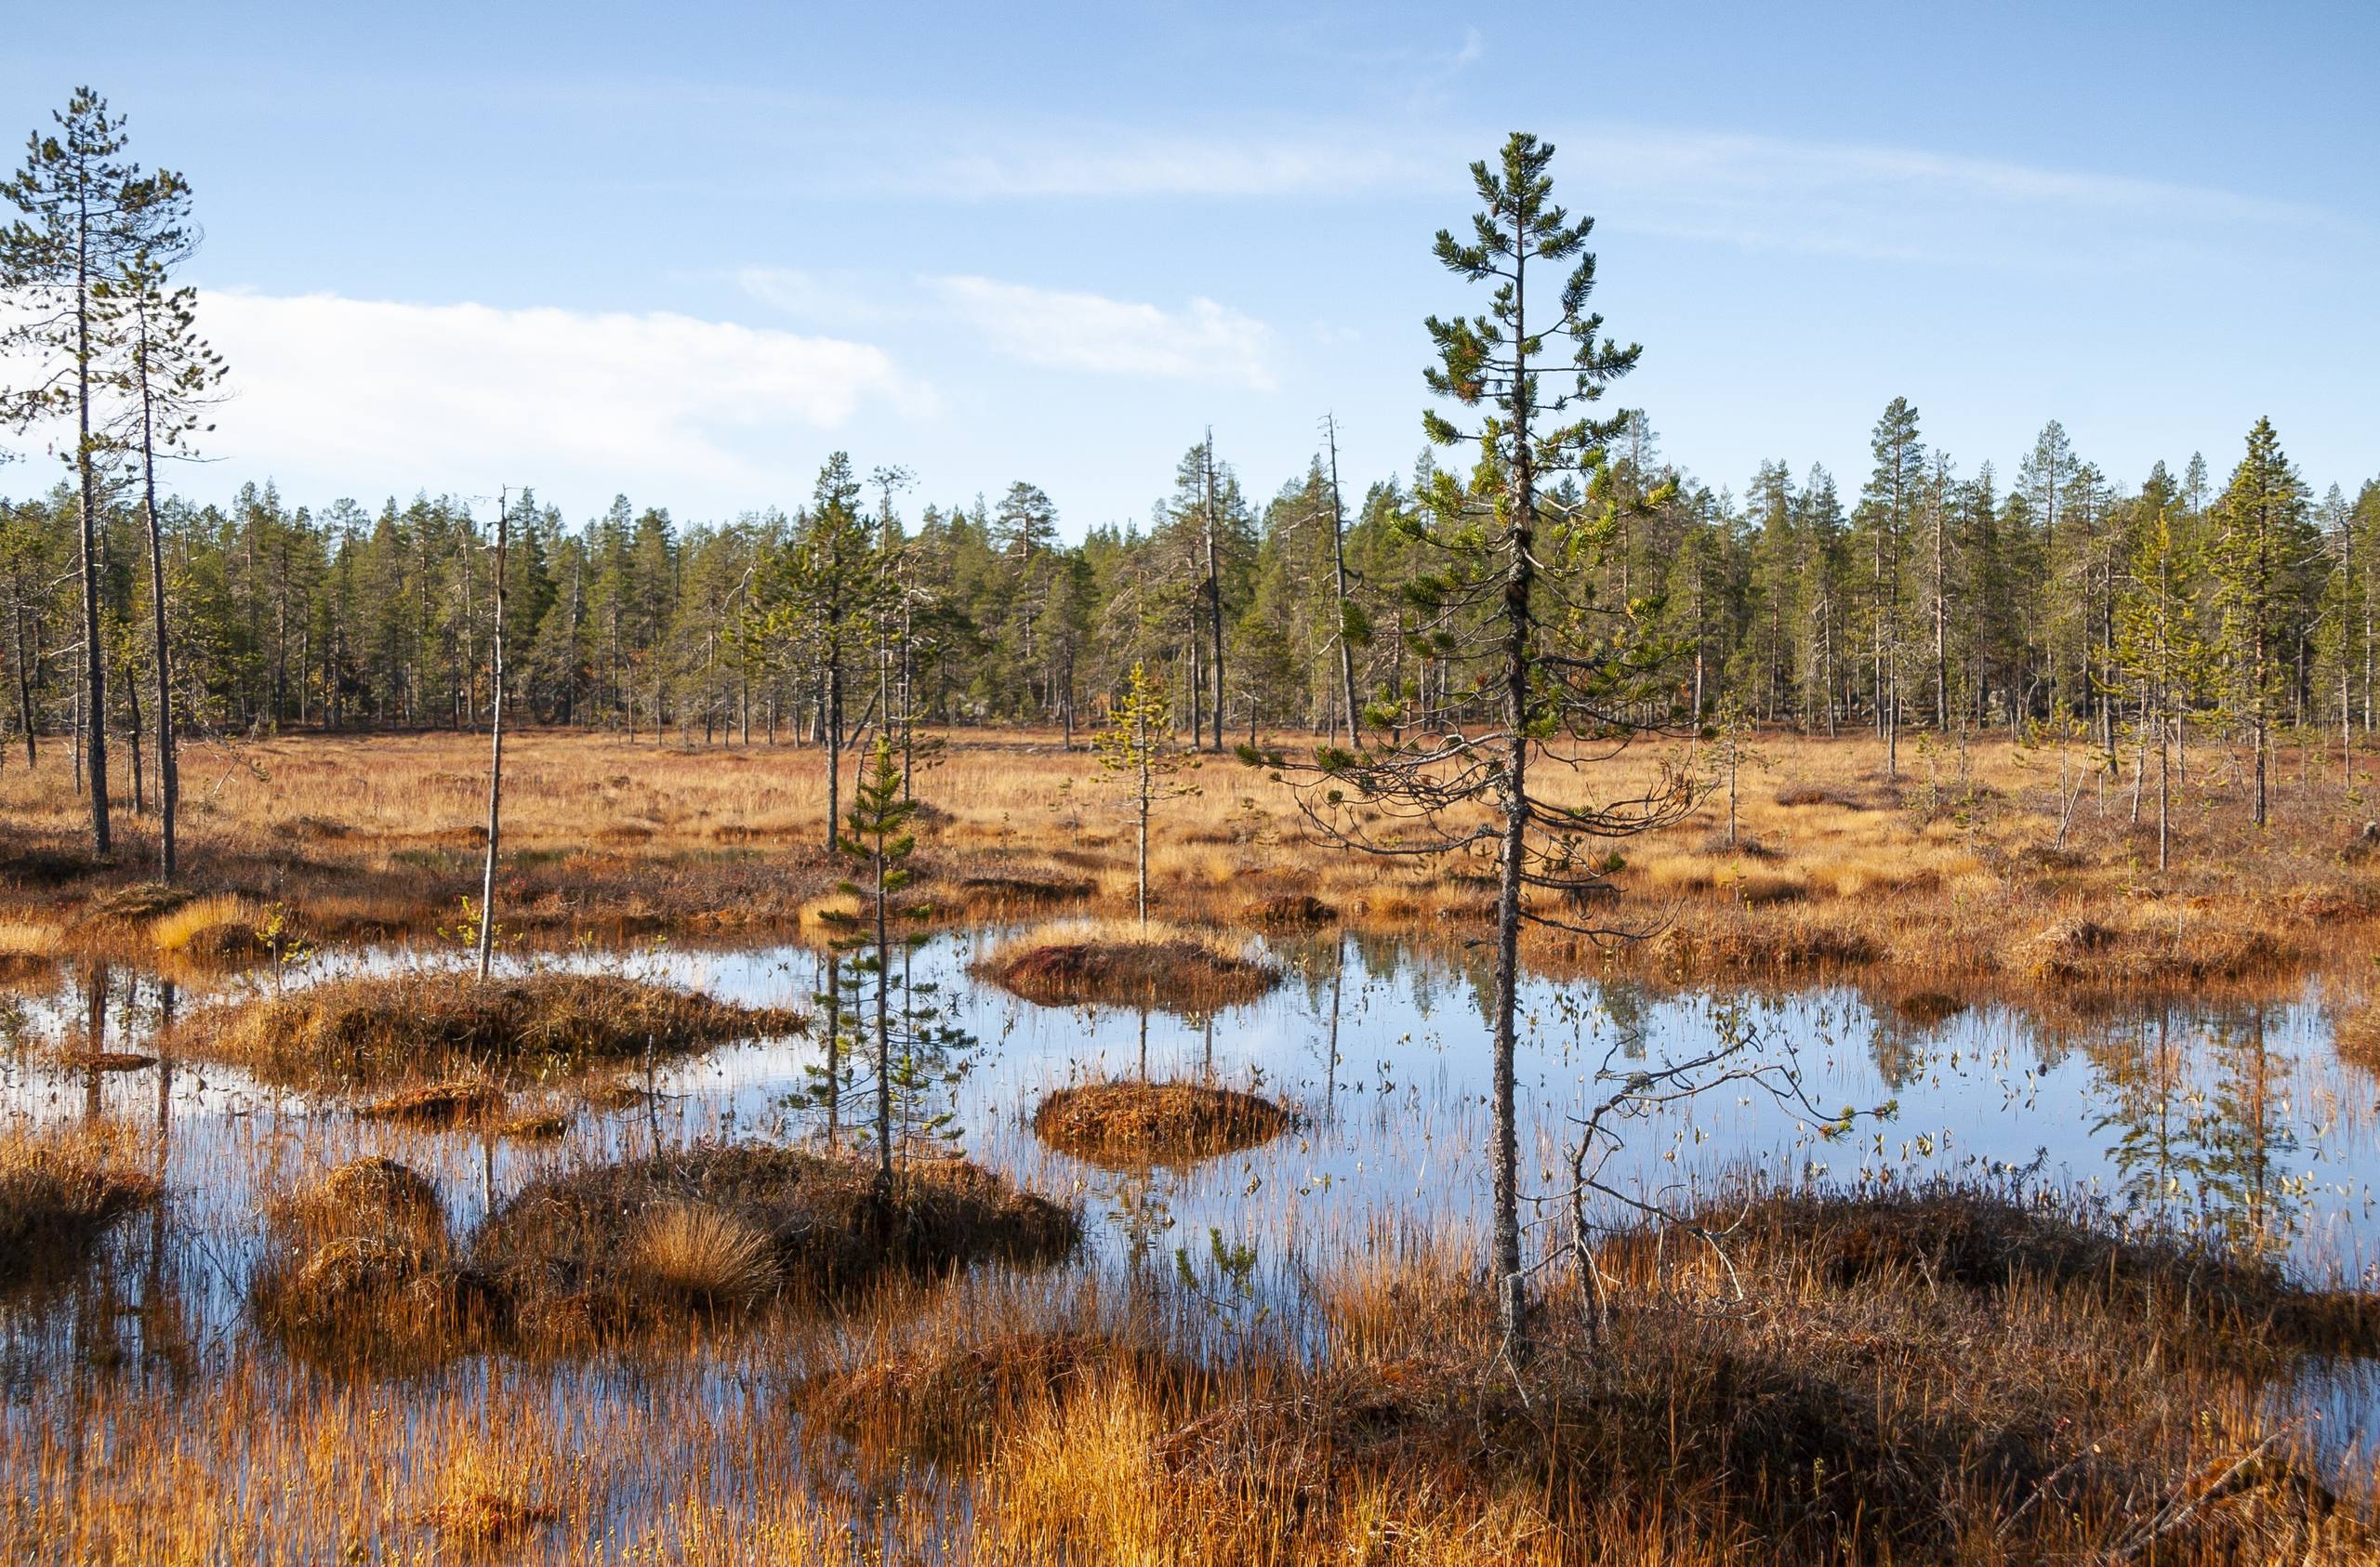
496,754
1510,1285
1338,570
94,666
1214,589
168,773
883,1195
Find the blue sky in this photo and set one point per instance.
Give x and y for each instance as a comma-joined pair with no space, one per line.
684,253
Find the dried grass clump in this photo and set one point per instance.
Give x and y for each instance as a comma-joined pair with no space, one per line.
949,1394
697,1251
1020,890
358,1269
59,1193
2356,1035
575,1252
220,926
29,940
2084,953
138,904
366,1196
377,1028
1790,941
1129,1124
1119,963
480,1501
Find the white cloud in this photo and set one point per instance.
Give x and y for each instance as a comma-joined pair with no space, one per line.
1066,331
807,295
1756,192
1104,162
376,395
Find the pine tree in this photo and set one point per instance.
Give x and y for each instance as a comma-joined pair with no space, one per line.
1137,745
830,575
1509,594
90,219
171,375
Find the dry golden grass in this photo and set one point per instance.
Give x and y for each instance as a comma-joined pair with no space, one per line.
1933,1377
1943,874
700,1252
581,1251
221,923
28,938
443,1103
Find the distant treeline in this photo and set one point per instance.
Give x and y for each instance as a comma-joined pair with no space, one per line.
1928,598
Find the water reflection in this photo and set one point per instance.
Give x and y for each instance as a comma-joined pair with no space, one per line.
2236,1121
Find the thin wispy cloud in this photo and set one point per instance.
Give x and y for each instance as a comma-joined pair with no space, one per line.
1061,330
395,395
1759,193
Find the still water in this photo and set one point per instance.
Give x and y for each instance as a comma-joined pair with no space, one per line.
2238,1121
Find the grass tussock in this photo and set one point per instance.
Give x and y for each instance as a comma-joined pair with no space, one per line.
706,1254
944,1393
2150,951
29,940
1129,1124
991,894
359,1268
59,1193
379,1028
727,1225
222,925
482,1501
1119,963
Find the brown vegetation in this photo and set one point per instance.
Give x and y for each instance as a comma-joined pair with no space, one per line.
1942,878
1126,1125
1118,963
359,1267
2033,1389
371,1029
728,1224
58,1192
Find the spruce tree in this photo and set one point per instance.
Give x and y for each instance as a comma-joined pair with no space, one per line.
2262,543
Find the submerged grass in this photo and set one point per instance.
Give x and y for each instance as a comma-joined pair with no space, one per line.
382,1028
